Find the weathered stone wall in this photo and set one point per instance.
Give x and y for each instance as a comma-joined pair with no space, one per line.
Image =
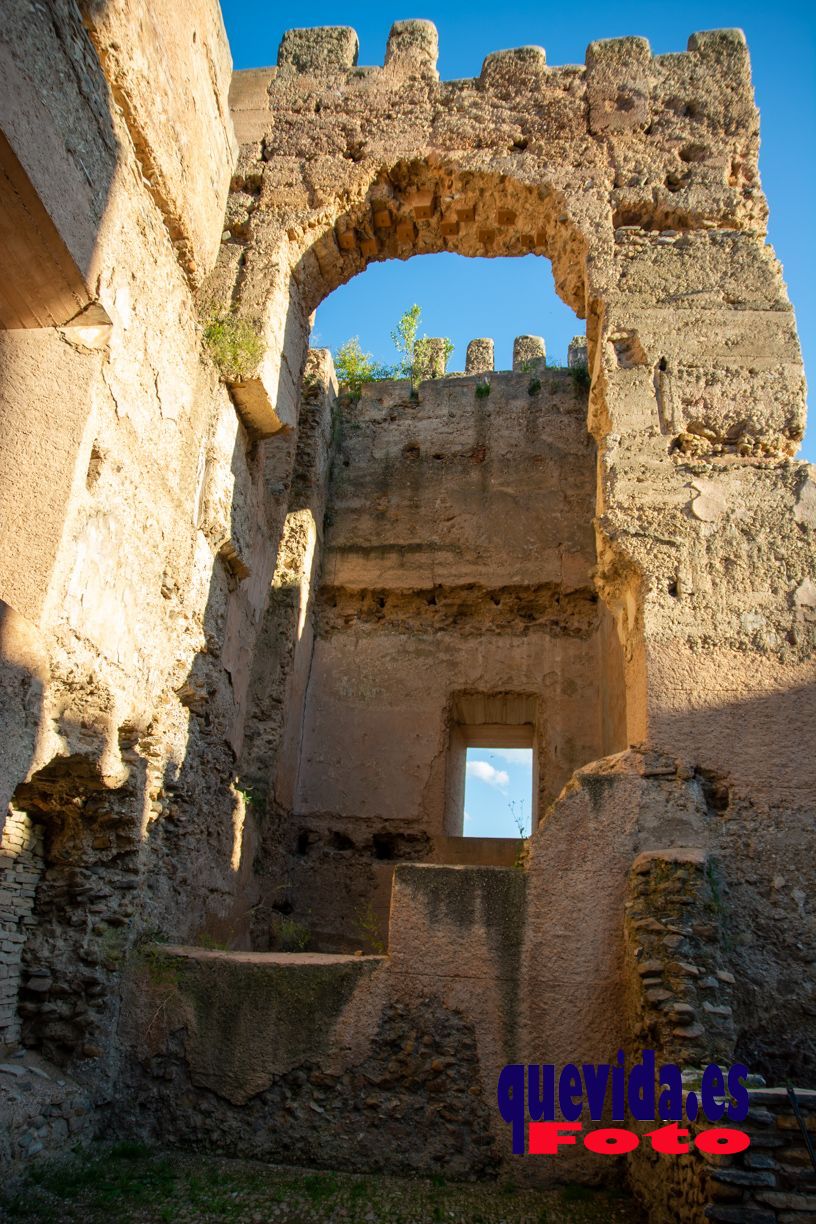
21,862
328,1067
681,977
139,531
142,509
281,666
636,175
222,1047
457,560
771,1182
43,1113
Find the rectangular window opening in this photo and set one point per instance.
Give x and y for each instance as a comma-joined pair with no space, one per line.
491,774
498,800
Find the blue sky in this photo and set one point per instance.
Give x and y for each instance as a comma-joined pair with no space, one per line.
498,792
504,298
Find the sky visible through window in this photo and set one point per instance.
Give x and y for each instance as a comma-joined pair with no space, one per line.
466,304
498,792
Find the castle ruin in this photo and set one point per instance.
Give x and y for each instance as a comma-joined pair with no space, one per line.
250,624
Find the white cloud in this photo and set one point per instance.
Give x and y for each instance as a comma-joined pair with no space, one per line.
514,756
468,817
486,773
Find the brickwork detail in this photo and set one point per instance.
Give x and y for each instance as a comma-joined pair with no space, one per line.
21,865
771,1182
674,939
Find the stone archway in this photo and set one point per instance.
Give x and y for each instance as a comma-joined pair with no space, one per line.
420,207
407,208
636,175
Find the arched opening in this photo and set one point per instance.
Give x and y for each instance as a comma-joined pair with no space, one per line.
437,577
294,247
461,298
418,208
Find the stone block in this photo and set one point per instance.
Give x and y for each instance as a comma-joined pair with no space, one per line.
480,357
744,1177
319,49
258,414
431,357
529,353
782,1201
171,75
618,84
515,71
740,1214
413,47
722,45
577,352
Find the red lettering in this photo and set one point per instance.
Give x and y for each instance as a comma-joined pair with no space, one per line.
611,1141
545,1137
667,1139
722,1140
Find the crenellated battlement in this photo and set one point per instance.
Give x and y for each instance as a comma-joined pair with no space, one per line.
529,356
636,175
622,87
631,168
413,47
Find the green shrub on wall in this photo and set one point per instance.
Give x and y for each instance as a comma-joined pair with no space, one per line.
417,357
236,345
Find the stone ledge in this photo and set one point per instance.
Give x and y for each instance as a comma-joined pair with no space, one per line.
286,960
255,408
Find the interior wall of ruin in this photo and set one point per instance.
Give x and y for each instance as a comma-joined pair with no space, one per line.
636,175
486,965
457,559
139,536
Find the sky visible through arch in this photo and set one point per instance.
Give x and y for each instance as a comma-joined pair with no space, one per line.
460,297
504,298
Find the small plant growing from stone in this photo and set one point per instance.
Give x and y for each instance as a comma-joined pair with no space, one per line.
417,357
534,386
517,812
292,936
368,927
245,790
354,368
483,389
235,345
580,376
404,337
